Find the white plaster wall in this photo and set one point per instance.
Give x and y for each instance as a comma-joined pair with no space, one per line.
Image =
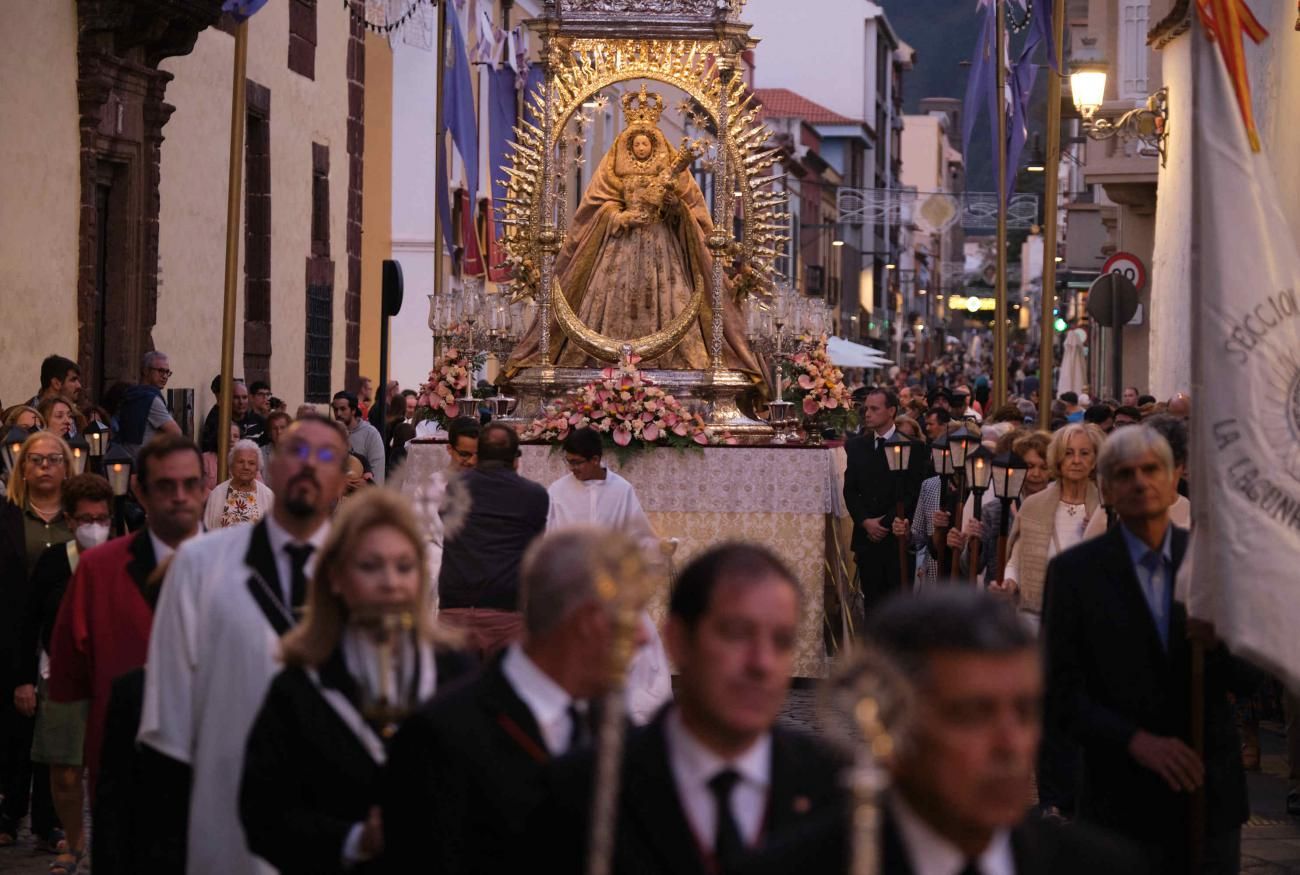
195,157
40,190
923,149
1170,339
415,169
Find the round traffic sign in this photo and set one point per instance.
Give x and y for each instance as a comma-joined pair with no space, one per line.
1112,300
1129,266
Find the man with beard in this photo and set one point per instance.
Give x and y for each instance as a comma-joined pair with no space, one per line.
227,599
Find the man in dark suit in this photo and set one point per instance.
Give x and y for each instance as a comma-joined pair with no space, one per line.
871,495
1119,655
464,774
963,777
478,587
711,780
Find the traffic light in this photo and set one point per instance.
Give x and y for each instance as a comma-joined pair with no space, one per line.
1061,324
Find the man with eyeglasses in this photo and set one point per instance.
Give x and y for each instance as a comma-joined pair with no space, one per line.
478,585
228,598
143,413
462,443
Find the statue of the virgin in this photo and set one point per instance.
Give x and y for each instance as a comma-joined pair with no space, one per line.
636,251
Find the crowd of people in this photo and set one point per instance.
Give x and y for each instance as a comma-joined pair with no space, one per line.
292,670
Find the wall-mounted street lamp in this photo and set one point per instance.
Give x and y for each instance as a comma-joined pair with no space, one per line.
1148,124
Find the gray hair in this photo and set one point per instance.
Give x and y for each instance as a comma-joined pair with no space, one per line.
911,628
559,572
245,444
150,357
1127,444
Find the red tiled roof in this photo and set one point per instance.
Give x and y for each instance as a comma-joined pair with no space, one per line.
784,103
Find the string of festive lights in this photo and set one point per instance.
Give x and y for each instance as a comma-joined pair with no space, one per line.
1018,26
357,9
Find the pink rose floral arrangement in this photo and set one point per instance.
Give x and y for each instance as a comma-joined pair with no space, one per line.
627,409
816,386
451,373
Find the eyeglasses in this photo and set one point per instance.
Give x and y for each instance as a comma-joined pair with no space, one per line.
164,371
465,454
304,452
38,460
573,463
263,393
88,520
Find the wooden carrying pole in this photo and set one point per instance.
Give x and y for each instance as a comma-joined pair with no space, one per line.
1047,330
440,139
234,191
1000,293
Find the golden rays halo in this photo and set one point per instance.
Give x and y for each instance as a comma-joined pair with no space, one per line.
588,67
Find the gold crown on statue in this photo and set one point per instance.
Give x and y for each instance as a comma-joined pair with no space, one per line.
640,111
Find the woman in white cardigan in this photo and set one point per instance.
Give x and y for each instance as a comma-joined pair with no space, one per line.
1053,520
243,498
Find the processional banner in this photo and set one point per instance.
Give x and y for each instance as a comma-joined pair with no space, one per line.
1246,368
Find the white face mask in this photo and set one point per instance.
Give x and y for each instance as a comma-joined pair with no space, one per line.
91,535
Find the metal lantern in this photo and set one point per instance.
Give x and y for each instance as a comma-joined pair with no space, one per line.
96,434
941,456
13,442
979,469
467,406
80,450
960,443
898,452
1009,472
117,468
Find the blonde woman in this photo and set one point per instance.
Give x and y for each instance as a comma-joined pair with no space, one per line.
31,521
24,417
310,788
243,498
1053,520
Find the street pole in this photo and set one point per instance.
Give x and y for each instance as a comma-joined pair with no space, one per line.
1047,336
1000,302
440,141
234,190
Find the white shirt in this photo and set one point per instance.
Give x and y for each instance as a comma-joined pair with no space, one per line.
612,502
547,700
161,552
932,854
694,765
280,538
609,502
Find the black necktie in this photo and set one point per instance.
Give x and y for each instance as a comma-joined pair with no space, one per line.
298,556
728,846
579,729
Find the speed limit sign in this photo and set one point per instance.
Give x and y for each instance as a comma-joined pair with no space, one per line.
1129,266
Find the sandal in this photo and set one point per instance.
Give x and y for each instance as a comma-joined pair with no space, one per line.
67,864
52,843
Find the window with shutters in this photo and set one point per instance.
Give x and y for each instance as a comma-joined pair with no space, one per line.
1133,24
320,283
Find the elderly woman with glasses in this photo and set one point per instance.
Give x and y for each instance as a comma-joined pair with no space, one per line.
243,498
31,521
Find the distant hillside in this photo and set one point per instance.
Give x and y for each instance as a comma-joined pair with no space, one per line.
943,32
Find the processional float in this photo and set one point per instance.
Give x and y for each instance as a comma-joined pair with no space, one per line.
592,50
